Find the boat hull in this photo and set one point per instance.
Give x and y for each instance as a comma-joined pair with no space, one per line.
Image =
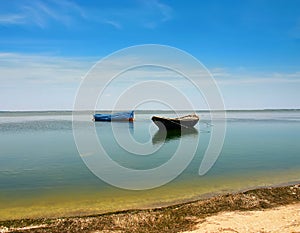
120,116
175,123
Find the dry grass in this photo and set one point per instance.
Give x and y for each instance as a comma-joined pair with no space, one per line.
168,219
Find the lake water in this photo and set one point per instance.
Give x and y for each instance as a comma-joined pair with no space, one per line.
43,175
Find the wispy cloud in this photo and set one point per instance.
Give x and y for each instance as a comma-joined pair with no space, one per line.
41,13
234,78
25,70
150,14
52,69
142,13
113,23
44,75
39,82
165,10
155,13
12,19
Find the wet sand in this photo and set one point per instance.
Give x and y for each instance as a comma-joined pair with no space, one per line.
270,209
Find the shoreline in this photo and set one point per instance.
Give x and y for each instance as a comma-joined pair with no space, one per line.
172,218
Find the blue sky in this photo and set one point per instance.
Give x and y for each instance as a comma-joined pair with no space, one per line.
252,47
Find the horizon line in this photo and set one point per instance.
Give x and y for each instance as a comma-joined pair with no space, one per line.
144,110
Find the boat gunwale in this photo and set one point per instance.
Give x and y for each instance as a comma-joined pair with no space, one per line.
187,121
187,117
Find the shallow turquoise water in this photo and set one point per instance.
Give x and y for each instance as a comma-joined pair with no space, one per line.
41,170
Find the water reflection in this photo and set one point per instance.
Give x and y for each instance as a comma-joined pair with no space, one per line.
116,124
131,127
164,136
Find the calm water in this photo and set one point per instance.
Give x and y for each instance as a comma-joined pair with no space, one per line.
42,174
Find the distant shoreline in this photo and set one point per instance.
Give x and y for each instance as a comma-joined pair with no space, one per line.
153,110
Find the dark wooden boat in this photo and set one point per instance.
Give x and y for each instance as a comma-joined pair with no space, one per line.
120,116
176,123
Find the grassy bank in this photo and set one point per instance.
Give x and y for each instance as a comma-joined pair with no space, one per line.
174,218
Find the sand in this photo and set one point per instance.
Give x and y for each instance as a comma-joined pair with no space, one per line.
280,219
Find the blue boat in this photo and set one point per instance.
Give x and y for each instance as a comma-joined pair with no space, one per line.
120,116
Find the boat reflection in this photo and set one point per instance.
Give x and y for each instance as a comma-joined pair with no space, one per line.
163,136
120,126
131,127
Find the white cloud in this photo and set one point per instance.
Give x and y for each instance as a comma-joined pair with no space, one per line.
36,82
40,13
21,70
164,9
12,19
150,14
143,13
155,13
257,78
54,78
113,23
52,69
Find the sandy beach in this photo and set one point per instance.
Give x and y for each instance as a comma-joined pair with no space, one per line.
270,209
280,219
